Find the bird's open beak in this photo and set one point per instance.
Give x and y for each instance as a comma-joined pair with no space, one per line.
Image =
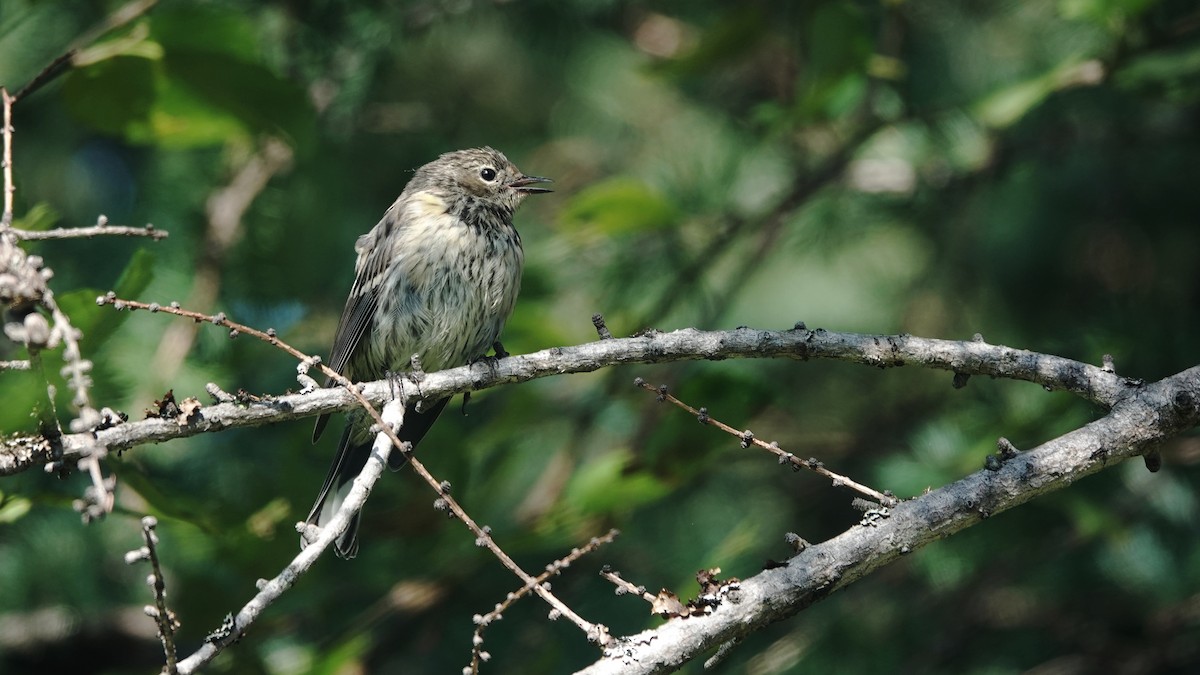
523,184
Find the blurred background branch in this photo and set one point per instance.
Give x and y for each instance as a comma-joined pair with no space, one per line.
224,209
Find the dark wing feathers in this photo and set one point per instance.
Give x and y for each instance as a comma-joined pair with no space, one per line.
358,315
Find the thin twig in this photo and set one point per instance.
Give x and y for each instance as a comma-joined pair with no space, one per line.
100,229
33,276
9,188
625,587
76,368
1138,422
269,591
56,67
597,633
747,438
123,15
162,615
99,497
667,605
973,357
63,62
553,569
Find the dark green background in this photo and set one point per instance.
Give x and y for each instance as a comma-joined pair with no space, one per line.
1028,171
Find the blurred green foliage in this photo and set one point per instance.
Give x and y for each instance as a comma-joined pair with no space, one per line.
1022,170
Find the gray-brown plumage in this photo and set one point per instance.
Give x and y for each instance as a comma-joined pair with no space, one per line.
437,277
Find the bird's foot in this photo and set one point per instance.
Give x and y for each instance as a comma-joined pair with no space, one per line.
498,352
415,372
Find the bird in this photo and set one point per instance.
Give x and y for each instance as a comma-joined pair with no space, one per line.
436,278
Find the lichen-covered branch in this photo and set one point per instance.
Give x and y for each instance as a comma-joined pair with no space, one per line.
1143,417
975,357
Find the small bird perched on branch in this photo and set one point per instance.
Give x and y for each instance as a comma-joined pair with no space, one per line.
437,277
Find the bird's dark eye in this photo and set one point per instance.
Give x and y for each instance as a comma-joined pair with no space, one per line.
487,173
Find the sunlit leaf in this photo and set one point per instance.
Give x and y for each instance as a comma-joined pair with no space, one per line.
13,509
192,79
206,29
39,217
132,43
603,486
1009,104
250,93
340,657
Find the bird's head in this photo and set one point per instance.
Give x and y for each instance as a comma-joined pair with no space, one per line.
483,174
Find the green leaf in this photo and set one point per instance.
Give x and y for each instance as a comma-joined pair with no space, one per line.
38,218
218,85
620,205
192,78
114,96
13,509
99,323
182,118
1009,104
132,43
838,48
215,81
1108,13
206,29
604,486
1170,67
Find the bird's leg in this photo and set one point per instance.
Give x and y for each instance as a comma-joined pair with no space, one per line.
416,373
499,351
395,380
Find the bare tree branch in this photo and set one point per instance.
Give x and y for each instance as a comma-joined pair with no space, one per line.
482,621
163,617
6,161
315,539
270,591
747,438
1138,422
100,229
1139,417
1093,383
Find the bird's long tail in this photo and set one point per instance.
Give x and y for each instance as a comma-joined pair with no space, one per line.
349,462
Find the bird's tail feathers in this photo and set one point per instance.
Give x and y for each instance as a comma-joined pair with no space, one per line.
349,462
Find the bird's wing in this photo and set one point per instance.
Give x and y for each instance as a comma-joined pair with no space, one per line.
358,315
